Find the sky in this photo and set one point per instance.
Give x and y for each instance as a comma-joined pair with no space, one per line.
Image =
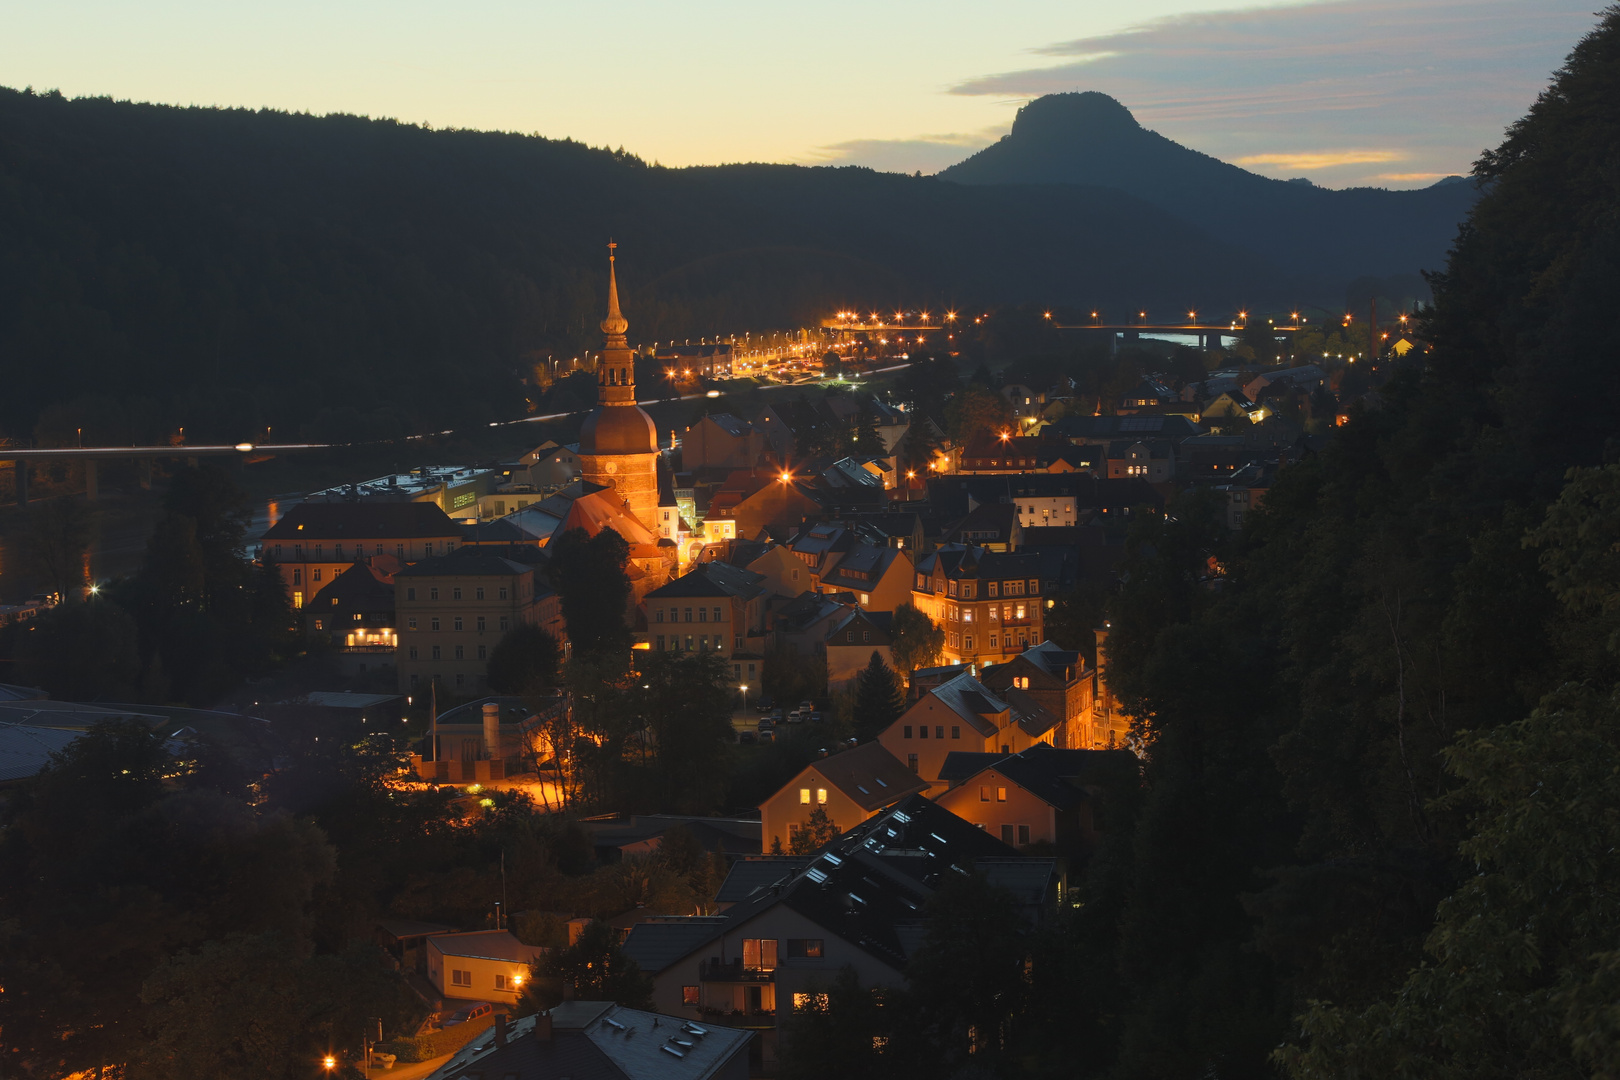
1344,92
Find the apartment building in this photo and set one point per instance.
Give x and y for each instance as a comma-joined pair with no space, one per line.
454,609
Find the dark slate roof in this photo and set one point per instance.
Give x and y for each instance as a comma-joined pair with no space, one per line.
1034,718
869,775
748,876
713,579
498,531
734,426
1112,427
358,587
363,521
1057,776
656,944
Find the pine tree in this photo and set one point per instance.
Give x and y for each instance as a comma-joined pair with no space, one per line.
878,698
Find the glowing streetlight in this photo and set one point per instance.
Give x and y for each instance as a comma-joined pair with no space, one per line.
328,1062
950,316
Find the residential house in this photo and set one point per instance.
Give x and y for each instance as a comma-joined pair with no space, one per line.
1153,460
355,613
991,526
1056,679
1245,490
454,609
990,604
858,903
760,498
1102,430
601,1040
803,623
1039,796
849,786
963,714
722,441
1002,452
852,640
1148,393
880,577
484,965
1220,413
549,465
784,573
312,543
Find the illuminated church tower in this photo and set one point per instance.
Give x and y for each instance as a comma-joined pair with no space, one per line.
618,445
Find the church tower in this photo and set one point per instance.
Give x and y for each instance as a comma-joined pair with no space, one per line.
618,444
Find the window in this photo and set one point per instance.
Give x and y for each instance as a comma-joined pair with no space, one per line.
716,614
337,551
759,954
503,982
506,622
458,622
460,978
939,731
455,593
1001,794
318,625
658,616
501,593
410,623
460,679
413,654
1007,834
689,994
703,614
956,731
433,623
911,762
433,592
905,732
399,550
461,652
922,731
1034,586
689,645
410,594
992,587
436,655
315,574
298,575
984,793
967,614
804,796
866,598
967,642
478,593
357,616
688,615
821,795
483,652
660,642
1023,834
804,1002
804,948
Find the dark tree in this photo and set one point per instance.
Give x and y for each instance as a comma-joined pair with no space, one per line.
588,573
525,661
879,698
597,969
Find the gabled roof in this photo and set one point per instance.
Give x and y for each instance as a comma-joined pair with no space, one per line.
734,426
805,610
363,521
1030,715
878,622
748,876
1056,776
869,775
970,699
713,579
872,560
486,945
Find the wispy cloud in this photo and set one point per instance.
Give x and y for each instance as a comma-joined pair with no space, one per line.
1434,81
1325,159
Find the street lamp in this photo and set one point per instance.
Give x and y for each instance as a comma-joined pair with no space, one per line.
744,688
328,1062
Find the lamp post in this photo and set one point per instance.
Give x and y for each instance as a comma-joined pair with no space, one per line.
744,688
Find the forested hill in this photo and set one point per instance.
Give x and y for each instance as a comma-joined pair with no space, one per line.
1091,139
341,278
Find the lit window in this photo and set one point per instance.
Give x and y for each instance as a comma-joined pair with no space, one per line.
689,994
318,625
1001,794
759,954
821,795
357,616
984,793
804,795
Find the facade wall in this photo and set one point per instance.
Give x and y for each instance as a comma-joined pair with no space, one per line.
428,609
309,566
972,635
997,805
785,813
846,662
719,624
925,756
785,574
482,973
633,476
706,445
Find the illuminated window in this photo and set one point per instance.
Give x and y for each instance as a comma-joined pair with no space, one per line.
804,948
689,994
357,616
803,1002
821,795
759,954
804,795
1001,794
318,625
298,599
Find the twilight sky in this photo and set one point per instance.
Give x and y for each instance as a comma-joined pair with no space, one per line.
1388,92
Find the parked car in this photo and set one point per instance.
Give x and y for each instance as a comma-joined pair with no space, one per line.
807,706
469,1012
746,738
777,716
765,723
764,705
795,717
767,734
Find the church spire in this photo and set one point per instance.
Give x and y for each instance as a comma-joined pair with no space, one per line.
615,325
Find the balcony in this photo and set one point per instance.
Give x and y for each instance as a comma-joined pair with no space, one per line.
753,1019
733,971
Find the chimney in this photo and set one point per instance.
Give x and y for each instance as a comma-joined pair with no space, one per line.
542,1026
492,730
500,1029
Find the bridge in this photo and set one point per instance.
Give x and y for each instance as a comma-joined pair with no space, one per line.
1209,334
21,456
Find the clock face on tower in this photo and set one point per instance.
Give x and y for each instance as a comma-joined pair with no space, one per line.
612,466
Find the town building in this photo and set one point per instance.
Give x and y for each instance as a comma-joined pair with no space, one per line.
850,787
1153,460
454,609
990,604
484,965
722,441
455,489
851,643
314,542
355,613
989,452
716,608
963,714
1040,796
1059,681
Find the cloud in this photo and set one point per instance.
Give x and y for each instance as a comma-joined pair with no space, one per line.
925,153
1326,159
1432,81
